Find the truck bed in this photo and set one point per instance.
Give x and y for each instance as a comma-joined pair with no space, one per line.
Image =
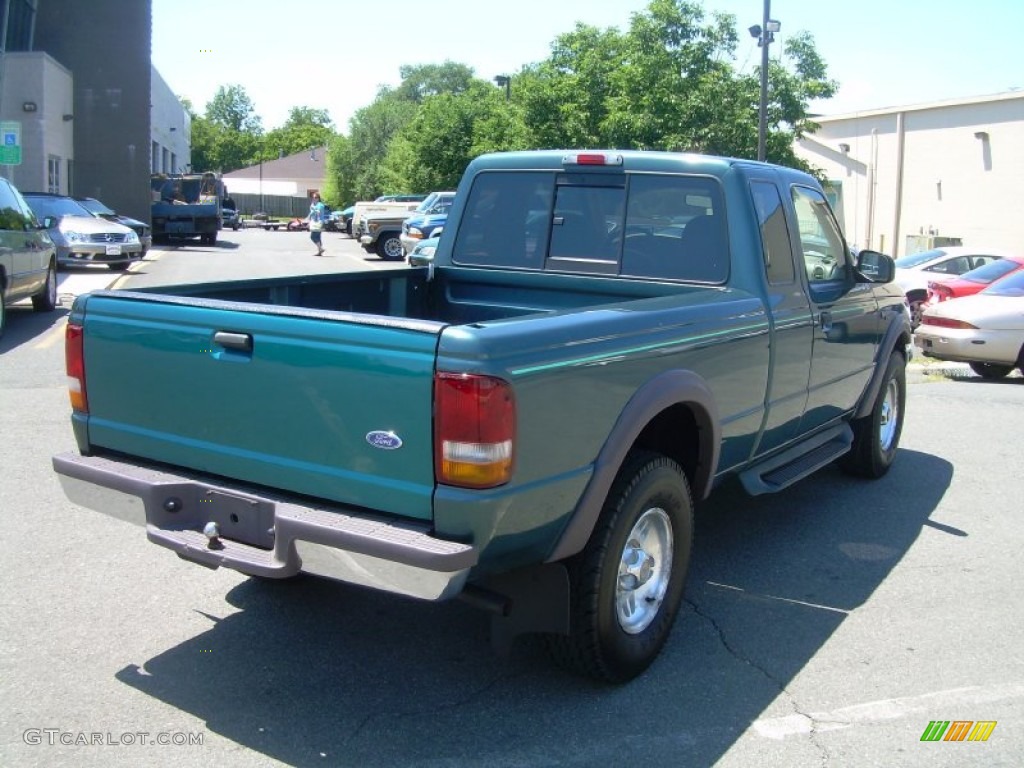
257,387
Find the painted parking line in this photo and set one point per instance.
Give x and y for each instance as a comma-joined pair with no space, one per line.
67,297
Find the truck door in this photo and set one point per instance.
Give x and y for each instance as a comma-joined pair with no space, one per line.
845,318
790,316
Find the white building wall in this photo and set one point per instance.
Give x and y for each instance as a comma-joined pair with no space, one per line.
34,78
170,130
922,170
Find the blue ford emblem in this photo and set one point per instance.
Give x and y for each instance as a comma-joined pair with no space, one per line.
388,441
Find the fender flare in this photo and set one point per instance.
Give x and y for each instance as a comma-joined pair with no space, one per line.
899,327
660,393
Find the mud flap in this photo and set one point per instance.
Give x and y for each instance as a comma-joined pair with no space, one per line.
527,601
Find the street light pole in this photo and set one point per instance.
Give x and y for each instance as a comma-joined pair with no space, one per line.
762,113
765,34
504,80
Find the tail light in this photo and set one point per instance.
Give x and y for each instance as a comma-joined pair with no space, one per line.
74,364
474,430
946,322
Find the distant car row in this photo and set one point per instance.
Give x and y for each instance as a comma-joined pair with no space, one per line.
391,226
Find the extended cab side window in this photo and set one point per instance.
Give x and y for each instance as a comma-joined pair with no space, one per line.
821,243
778,251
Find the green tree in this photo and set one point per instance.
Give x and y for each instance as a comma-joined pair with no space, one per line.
371,131
232,108
449,130
420,82
668,82
304,129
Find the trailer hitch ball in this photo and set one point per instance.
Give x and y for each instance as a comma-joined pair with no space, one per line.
172,504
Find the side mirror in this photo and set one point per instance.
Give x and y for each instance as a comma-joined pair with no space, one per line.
876,267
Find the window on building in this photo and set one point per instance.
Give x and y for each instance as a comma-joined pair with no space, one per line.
53,174
20,24
174,163
165,164
154,159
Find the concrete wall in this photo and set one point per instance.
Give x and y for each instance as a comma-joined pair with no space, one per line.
171,129
949,169
36,78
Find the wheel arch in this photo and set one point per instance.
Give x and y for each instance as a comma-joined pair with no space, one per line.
674,414
897,338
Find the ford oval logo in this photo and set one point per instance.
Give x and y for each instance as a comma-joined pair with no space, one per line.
387,441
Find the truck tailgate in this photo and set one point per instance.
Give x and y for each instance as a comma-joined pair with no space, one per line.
318,403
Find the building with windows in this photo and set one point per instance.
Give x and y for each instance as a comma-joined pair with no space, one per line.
82,111
906,179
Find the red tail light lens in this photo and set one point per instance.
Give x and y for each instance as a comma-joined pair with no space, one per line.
474,430
945,322
74,364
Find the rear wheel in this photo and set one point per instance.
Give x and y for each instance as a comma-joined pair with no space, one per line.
3,311
389,248
46,299
991,370
627,584
877,435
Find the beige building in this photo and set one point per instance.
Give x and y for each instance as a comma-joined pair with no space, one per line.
909,178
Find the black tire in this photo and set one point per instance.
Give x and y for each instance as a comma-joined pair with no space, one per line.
348,227
877,435
389,247
991,371
3,311
614,636
118,266
46,299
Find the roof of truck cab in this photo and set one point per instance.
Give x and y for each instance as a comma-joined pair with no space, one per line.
632,159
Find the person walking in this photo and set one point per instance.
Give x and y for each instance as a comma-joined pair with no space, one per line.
317,217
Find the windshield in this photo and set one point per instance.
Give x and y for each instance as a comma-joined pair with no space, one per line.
917,259
96,207
991,271
428,201
188,189
1010,286
55,206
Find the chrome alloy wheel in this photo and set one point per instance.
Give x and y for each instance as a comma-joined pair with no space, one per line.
890,416
644,570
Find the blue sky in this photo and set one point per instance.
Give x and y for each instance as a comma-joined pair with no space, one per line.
329,55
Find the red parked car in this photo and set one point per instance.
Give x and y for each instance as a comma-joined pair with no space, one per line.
973,281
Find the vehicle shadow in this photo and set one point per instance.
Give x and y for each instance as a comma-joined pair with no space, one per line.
25,325
309,672
966,375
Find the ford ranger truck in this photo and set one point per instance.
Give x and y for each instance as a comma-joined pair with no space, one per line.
603,338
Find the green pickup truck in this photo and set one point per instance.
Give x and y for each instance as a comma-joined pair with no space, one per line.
602,339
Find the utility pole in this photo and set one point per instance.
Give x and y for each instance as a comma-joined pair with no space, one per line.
765,34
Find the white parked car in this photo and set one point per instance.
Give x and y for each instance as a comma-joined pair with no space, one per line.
916,270
985,330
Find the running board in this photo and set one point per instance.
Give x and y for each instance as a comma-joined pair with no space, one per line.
798,462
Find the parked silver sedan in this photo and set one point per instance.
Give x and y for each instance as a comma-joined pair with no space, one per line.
80,237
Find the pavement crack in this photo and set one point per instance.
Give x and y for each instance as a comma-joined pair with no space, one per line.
812,723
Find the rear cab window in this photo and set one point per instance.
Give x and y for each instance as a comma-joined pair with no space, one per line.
662,226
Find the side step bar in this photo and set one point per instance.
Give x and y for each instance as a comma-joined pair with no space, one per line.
798,462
